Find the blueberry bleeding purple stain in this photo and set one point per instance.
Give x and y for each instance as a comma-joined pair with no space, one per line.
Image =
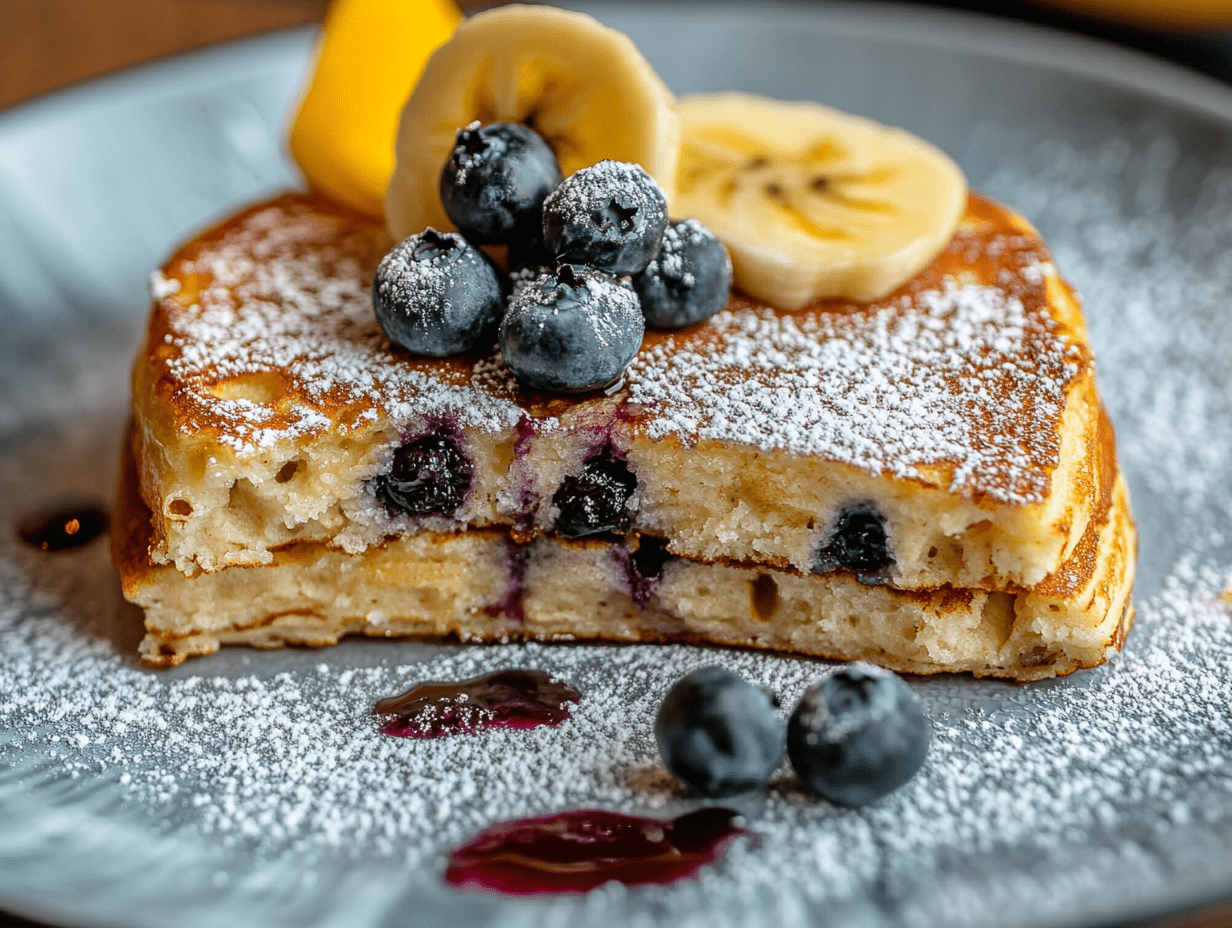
516,699
517,555
642,566
576,851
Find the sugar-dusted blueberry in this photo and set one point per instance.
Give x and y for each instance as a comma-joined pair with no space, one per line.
429,476
688,280
596,500
495,181
570,331
718,734
610,216
435,294
857,541
857,735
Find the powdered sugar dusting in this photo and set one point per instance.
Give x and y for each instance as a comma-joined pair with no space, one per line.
289,295
961,373
282,765
590,191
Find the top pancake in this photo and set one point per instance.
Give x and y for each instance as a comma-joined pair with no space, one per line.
961,374
262,340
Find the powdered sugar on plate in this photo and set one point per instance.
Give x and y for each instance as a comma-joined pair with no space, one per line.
252,786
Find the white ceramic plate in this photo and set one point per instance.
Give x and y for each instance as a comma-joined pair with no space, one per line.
250,787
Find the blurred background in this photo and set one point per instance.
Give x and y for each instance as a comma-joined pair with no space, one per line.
46,44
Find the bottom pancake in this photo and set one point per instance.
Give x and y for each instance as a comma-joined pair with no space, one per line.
485,586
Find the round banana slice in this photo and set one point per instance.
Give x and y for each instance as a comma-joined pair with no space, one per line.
582,86
812,202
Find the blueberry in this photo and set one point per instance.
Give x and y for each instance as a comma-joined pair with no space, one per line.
436,295
857,735
718,734
596,499
610,216
857,542
571,331
688,280
430,476
495,181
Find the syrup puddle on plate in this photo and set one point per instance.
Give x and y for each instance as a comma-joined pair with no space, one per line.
517,699
574,852
63,527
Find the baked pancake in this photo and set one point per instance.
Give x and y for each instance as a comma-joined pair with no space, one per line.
492,585
961,411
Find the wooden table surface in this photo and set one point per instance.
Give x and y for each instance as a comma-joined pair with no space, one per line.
47,44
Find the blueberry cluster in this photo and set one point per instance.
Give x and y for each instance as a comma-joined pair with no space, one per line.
855,736
594,259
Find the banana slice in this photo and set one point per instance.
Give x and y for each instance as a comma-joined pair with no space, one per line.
582,86
812,202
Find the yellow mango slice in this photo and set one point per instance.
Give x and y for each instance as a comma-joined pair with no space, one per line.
370,56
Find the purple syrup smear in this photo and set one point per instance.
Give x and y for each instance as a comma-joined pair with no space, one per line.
63,527
518,699
573,852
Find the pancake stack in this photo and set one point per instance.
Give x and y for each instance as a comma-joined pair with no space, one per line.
925,480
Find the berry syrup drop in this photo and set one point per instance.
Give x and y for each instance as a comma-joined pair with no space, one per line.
573,852
518,699
63,527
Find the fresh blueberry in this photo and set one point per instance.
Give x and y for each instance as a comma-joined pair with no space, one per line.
436,295
718,734
495,181
857,735
430,476
610,216
571,331
688,280
596,499
857,542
